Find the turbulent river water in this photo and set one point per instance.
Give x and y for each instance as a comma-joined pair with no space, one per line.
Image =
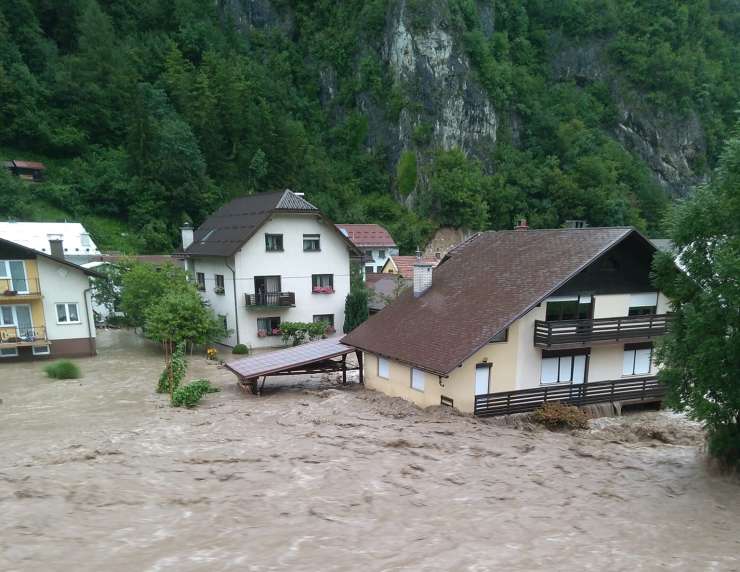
101,474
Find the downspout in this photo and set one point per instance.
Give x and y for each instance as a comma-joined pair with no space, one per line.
87,313
236,307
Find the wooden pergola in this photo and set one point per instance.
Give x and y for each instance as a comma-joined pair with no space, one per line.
323,356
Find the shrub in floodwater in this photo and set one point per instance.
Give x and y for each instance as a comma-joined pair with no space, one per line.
190,395
559,416
63,369
240,349
179,365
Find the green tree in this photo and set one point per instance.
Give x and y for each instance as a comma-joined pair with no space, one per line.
701,353
355,305
144,285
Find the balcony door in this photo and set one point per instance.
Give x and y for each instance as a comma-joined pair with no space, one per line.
267,290
16,317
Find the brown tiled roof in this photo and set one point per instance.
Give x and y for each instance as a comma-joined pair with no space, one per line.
405,264
383,289
480,288
226,230
366,235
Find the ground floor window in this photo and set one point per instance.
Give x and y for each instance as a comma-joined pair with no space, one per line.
560,367
219,284
224,324
200,281
384,368
369,269
8,352
268,327
68,313
41,350
417,379
637,359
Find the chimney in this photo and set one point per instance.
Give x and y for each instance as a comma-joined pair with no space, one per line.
186,231
422,275
522,224
56,246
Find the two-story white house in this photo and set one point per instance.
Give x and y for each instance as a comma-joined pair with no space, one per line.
266,259
510,319
375,242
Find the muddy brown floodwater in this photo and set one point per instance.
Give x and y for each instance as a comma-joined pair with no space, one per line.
100,474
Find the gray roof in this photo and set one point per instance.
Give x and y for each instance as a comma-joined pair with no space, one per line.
226,230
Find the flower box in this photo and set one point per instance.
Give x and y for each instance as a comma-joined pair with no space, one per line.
219,290
10,293
261,333
323,290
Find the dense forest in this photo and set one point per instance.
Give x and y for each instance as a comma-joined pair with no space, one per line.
411,113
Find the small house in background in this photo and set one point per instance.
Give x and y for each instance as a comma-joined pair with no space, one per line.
375,242
26,170
404,265
68,240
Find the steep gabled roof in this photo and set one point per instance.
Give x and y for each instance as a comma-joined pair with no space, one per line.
226,230
405,264
480,288
32,252
366,235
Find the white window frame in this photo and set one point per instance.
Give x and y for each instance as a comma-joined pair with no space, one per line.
66,313
6,275
384,368
36,352
630,356
418,380
4,355
565,364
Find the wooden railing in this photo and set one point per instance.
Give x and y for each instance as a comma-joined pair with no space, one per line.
629,389
14,335
285,299
20,287
549,334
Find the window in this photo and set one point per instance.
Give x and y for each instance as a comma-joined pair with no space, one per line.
638,359
311,243
381,253
369,254
7,317
322,283
502,336
643,304
563,368
417,379
224,324
384,368
8,352
378,269
268,327
328,318
67,314
568,308
219,284
369,269
41,350
200,281
274,242
14,271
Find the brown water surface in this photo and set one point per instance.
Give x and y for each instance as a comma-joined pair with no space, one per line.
101,474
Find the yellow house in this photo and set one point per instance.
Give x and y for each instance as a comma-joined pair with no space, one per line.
45,305
510,319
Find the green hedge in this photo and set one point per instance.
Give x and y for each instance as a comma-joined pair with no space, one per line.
190,395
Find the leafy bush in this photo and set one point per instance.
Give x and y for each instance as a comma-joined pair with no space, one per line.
302,332
558,416
240,349
178,365
63,369
190,395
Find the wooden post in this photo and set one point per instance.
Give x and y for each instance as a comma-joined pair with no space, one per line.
358,353
344,369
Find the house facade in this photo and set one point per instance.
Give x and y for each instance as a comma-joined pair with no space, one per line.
45,305
375,242
519,310
267,259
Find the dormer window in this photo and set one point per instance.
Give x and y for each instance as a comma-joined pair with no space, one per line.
311,243
274,242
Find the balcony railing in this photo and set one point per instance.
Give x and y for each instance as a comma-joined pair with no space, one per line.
636,389
20,336
584,332
273,299
19,287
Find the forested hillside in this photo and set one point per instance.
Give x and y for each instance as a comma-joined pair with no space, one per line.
411,113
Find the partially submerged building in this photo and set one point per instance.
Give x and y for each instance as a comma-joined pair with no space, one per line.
509,317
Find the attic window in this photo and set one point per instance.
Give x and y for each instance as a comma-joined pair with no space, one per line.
208,235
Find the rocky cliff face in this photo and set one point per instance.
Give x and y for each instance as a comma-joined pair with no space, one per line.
448,108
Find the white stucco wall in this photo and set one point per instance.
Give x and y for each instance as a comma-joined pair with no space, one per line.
63,284
293,265
378,261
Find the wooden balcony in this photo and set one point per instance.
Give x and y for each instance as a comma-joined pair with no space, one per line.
16,289
633,389
17,337
270,300
576,333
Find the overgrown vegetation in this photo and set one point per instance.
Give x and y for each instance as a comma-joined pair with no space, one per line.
296,333
190,395
555,415
240,349
701,353
151,113
174,371
63,369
